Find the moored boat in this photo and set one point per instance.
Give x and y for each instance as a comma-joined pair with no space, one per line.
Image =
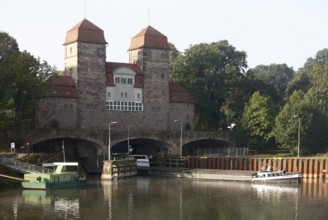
142,160
63,174
277,176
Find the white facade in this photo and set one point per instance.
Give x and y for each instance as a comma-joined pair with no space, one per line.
124,96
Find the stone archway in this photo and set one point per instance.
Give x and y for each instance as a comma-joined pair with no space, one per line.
89,154
207,147
142,146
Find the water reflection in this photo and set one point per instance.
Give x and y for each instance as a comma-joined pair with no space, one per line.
161,198
275,192
62,203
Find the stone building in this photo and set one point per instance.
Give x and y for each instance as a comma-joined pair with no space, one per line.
94,92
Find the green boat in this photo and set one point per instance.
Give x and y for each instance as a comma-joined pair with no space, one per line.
60,175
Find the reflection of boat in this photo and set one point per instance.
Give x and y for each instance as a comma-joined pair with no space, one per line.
36,197
277,176
63,175
58,201
274,188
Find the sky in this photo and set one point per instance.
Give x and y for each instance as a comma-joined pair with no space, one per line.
269,31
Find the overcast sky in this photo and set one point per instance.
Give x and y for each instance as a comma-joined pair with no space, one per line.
270,31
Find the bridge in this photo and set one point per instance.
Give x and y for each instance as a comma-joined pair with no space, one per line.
90,146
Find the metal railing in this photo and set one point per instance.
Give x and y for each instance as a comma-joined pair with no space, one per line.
23,167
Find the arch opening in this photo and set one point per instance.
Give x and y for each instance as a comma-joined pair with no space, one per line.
148,147
87,153
207,147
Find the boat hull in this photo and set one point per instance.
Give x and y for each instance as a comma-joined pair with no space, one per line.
51,181
45,185
276,177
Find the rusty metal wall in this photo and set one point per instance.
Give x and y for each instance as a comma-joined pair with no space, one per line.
309,167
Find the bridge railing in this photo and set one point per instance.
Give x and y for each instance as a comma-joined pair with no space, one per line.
168,161
222,152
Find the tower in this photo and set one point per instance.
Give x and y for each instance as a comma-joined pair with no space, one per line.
85,59
150,50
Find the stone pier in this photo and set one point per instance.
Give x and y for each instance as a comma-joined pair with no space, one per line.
115,169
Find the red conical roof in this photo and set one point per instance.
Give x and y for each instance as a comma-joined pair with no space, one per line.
149,38
85,31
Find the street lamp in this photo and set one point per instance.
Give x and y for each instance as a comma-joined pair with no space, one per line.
180,136
298,135
109,124
231,126
129,139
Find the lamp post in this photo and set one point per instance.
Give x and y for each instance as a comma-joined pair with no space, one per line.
109,124
180,136
129,139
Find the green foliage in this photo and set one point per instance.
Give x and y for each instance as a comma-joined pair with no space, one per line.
208,71
22,85
8,45
311,108
258,118
277,75
301,81
174,53
240,94
286,123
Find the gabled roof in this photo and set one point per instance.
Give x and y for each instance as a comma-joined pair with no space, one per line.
85,31
63,86
111,66
179,94
149,38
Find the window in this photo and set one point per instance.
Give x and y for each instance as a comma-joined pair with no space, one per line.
123,80
91,107
124,106
156,110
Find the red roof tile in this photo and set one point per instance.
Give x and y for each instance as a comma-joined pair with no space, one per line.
149,38
179,94
111,66
85,31
63,86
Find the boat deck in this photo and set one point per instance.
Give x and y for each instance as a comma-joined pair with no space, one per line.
207,174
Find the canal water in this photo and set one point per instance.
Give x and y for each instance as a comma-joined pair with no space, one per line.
143,198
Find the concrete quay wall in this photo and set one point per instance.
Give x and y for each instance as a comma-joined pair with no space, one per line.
116,169
309,167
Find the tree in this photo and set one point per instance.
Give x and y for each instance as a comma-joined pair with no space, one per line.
308,92
240,94
302,79
22,85
286,126
174,53
277,75
258,120
207,71
8,45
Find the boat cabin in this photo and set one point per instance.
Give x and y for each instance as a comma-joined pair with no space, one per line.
142,160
